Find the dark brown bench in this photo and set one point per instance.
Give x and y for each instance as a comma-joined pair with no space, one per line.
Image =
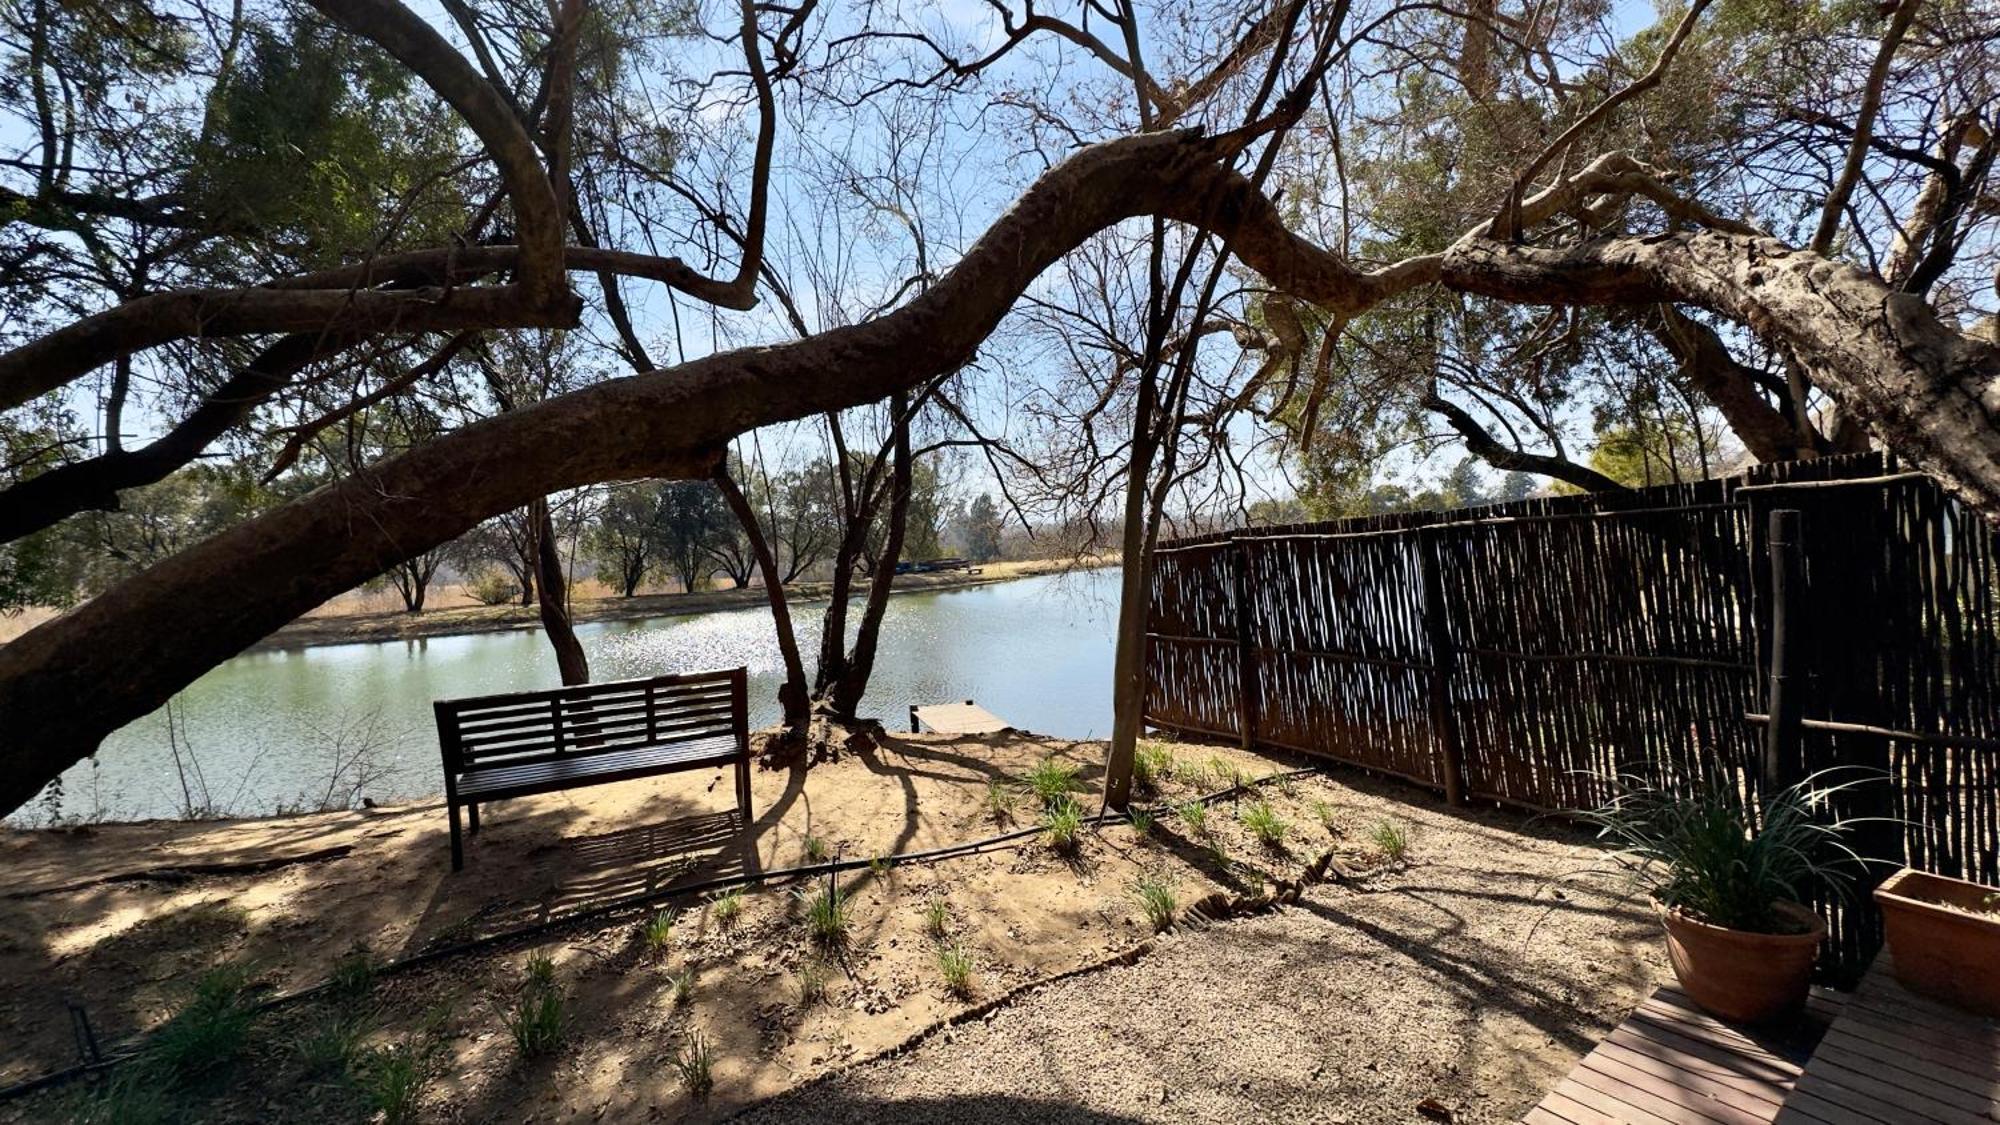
517,745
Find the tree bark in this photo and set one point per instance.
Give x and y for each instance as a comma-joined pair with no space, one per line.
1928,392
552,592
793,698
843,698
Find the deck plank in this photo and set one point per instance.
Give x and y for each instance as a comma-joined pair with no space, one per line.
957,718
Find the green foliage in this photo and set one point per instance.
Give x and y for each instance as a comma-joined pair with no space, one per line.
492,586
827,913
999,800
813,978
983,529
956,965
1194,815
540,971
1327,816
354,974
392,1080
1265,824
1708,854
1157,900
694,1062
1062,825
1390,840
1152,765
333,1045
681,986
1142,821
657,932
937,917
209,1031
729,908
817,850
1052,780
538,1020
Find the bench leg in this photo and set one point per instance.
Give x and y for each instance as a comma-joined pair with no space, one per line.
457,847
472,812
743,790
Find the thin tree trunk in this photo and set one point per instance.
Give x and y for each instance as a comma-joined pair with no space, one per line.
845,696
553,592
792,695
1128,665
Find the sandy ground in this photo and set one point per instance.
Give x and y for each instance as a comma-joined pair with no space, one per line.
1461,976
362,615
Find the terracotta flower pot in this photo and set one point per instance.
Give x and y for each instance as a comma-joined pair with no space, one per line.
1944,938
1740,976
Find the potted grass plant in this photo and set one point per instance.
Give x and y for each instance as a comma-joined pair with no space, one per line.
1728,881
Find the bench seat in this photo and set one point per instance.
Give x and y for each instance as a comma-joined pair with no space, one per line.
642,761
517,745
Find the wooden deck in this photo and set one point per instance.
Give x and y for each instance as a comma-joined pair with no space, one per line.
1884,1056
956,718
1672,1062
1897,1057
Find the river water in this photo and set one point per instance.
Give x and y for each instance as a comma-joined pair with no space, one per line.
273,730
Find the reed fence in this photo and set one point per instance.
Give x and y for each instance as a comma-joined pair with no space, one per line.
1525,654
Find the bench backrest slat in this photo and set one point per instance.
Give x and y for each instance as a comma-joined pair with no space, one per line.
496,730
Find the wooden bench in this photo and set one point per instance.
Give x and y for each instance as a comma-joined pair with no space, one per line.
498,746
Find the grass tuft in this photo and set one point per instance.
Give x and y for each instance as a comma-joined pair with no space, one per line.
828,915
1156,898
354,974
729,908
540,971
539,1015
658,931
1193,815
817,850
1000,798
1142,821
694,1061
209,1031
682,984
333,1046
1062,826
1052,781
937,917
1328,818
813,979
1152,766
1265,824
1391,840
392,1079
956,965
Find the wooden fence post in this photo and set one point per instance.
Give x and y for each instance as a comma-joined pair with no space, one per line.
1785,702
1444,723
1246,650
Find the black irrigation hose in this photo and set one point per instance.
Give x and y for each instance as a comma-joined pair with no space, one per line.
634,902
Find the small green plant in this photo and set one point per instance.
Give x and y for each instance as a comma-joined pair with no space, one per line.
540,972
1286,784
354,974
332,1046
681,986
1194,815
537,1021
133,1096
694,1061
1142,821
828,915
956,965
879,866
999,800
657,932
729,908
1390,840
937,917
1226,772
1328,818
1157,900
209,1031
817,850
1706,854
392,1079
813,979
1062,825
1265,824
1152,765
1052,781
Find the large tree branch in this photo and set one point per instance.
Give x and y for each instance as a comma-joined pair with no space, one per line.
1733,387
1500,455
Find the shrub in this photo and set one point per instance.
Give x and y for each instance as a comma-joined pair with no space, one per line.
1705,854
658,931
1062,825
1263,822
827,914
937,917
694,1061
729,908
1156,899
956,965
1390,840
1053,780
493,587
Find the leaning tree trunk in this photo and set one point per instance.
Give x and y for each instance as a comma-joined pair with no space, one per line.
792,694
1128,664
553,591
843,699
